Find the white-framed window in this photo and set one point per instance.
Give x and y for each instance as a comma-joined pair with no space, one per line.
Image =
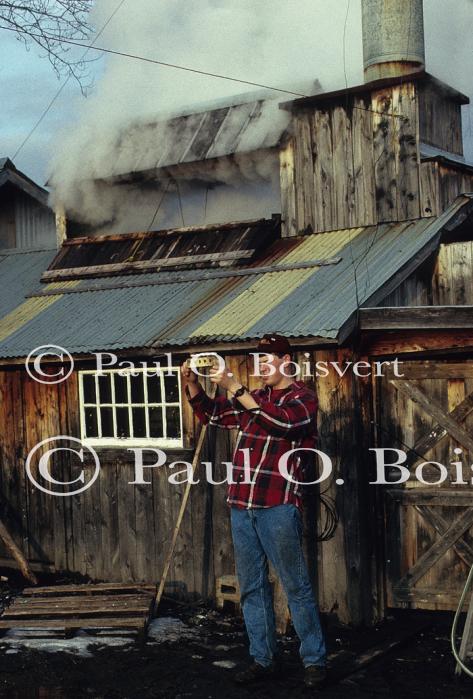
136,407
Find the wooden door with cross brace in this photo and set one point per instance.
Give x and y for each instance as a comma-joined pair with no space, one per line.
428,538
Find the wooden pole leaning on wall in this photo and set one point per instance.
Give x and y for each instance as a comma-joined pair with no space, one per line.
7,539
182,509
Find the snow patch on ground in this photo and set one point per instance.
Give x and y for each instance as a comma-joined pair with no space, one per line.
83,644
229,664
17,640
168,628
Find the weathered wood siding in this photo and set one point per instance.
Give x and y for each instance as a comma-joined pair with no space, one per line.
347,581
113,531
440,186
440,122
430,189
353,163
444,279
120,532
452,182
428,527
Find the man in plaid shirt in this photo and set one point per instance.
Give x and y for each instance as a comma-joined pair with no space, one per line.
265,500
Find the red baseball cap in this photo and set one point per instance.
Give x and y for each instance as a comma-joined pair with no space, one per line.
273,343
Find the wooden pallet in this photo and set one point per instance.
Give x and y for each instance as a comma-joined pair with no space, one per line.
64,609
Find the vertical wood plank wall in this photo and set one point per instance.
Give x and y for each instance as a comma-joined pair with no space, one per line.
440,120
444,279
452,182
356,161
120,532
353,163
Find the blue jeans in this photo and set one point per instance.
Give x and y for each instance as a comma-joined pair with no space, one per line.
275,533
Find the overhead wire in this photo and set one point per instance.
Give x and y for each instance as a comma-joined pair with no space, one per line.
63,85
159,204
167,64
205,202
331,516
155,61
178,189
92,46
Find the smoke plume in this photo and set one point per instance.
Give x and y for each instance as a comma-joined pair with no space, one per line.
276,43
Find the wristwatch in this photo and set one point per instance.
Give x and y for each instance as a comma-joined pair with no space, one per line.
240,391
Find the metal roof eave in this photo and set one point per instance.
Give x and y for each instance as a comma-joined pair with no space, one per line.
366,88
181,349
452,217
17,179
164,172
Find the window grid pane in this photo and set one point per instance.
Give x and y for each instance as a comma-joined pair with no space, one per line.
145,388
97,398
163,398
114,410
115,414
130,417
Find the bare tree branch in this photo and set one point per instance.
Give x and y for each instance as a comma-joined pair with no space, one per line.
46,23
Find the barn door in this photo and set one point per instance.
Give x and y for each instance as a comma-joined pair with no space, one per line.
428,413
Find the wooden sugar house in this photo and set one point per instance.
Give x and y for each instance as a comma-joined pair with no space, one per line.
370,258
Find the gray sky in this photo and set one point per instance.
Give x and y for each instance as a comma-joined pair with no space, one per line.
28,83
238,37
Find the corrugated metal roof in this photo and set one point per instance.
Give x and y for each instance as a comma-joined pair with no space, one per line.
10,175
428,152
176,309
20,271
240,128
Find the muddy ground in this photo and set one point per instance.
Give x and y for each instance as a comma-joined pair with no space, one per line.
195,651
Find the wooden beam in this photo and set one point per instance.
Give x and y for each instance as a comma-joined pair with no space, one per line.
176,278
437,599
430,496
435,434
84,622
431,370
366,88
119,237
342,664
36,566
89,589
416,317
17,554
143,265
413,342
454,429
438,548
437,522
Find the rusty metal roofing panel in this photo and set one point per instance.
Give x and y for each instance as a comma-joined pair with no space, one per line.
248,236
310,302
200,136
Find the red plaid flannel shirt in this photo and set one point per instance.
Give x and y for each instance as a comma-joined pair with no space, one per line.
284,420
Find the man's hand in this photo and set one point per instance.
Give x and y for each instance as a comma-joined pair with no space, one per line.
188,376
224,379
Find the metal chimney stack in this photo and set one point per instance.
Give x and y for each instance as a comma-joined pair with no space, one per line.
393,38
